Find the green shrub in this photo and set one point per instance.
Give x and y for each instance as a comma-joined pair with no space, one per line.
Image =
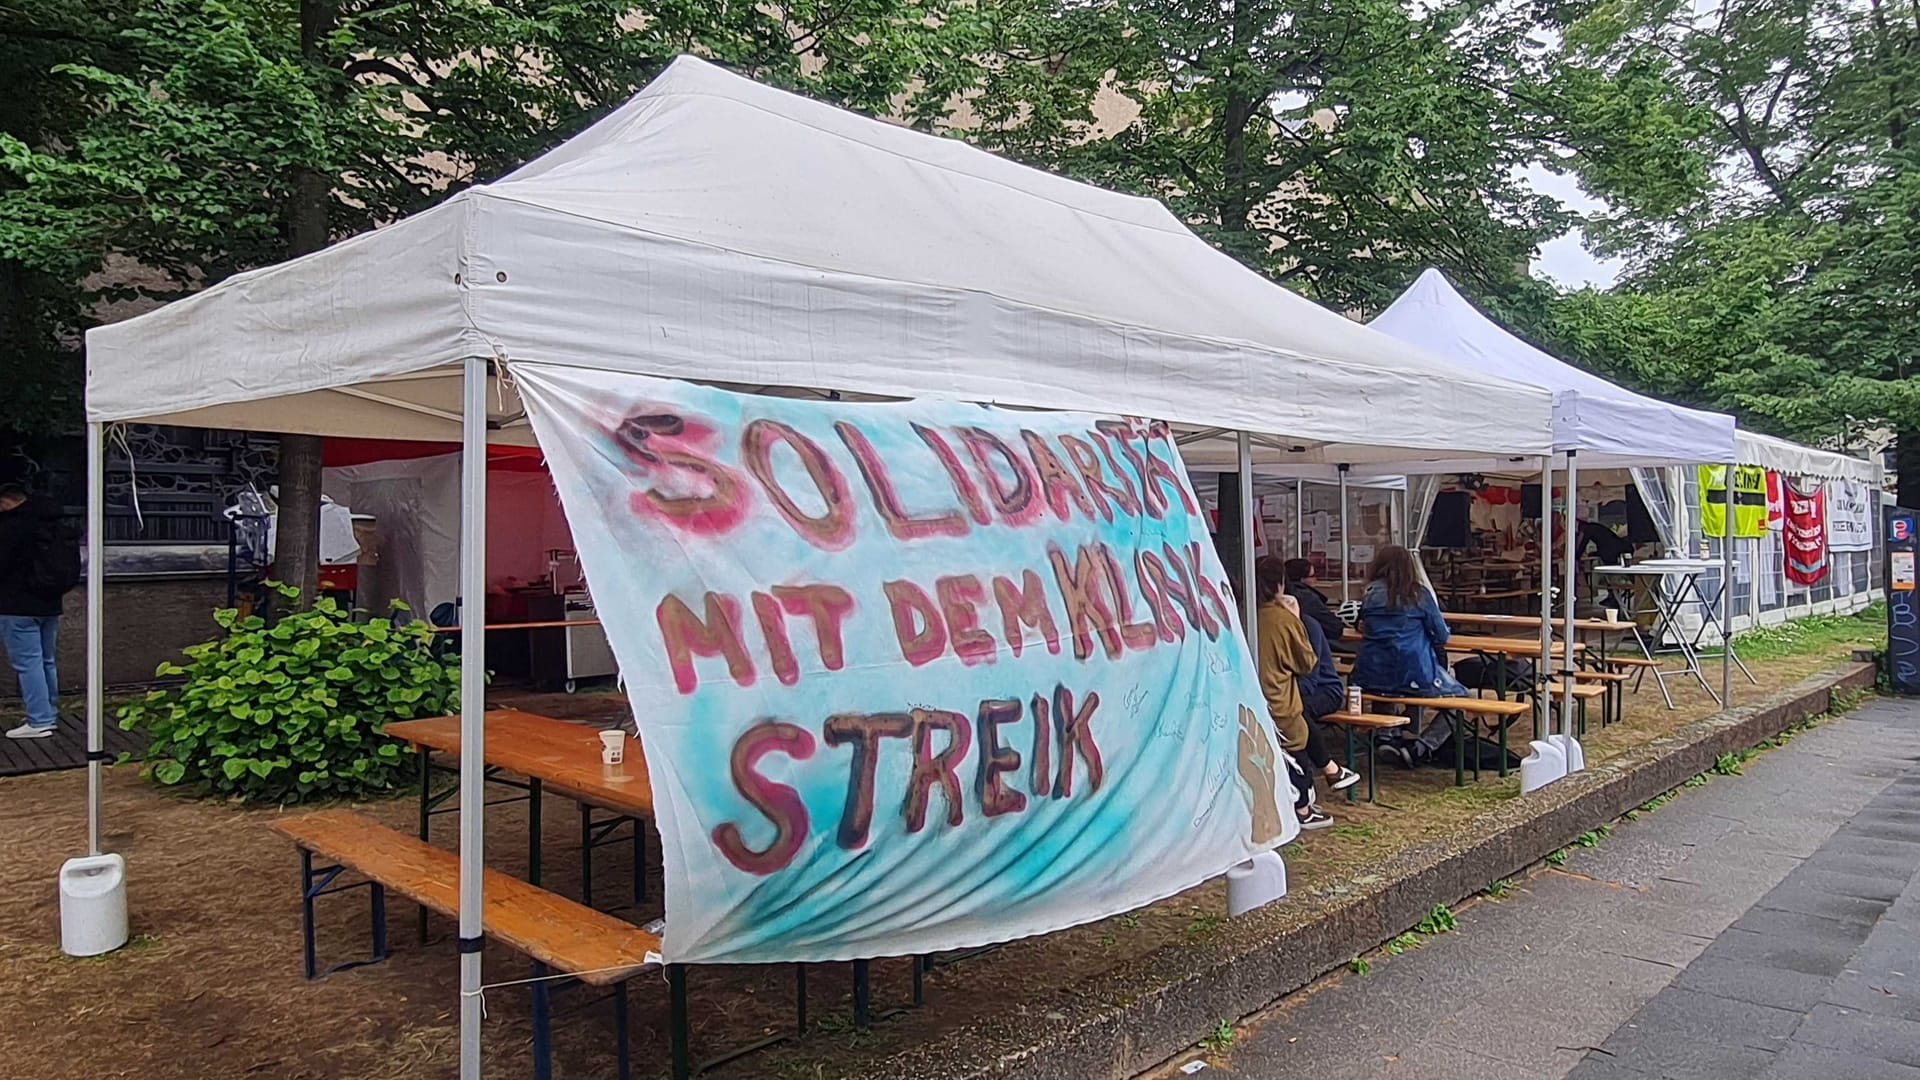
292,712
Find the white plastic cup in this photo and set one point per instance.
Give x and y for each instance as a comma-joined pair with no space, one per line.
1613,614
613,747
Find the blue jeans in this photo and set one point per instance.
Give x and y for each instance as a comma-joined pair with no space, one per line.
30,641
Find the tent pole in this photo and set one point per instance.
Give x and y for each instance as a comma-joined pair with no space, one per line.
473,702
1299,519
1546,593
96,626
1249,521
1726,598
1346,550
1567,603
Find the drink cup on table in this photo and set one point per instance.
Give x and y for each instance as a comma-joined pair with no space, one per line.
613,747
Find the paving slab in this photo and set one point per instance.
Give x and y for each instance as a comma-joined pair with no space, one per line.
1693,941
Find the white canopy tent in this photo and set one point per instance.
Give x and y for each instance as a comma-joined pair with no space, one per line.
718,230
1597,424
1607,425
713,229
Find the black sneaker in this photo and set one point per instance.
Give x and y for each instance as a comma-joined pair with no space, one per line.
1345,779
1398,754
1315,819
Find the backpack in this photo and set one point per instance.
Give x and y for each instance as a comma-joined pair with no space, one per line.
55,565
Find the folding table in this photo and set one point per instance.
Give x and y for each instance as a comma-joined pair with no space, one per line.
1668,603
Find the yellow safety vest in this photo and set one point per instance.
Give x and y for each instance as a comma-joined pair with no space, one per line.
1749,501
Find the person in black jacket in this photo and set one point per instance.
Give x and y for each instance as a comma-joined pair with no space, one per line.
30,608
1313,604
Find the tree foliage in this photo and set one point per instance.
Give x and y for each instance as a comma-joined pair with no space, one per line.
1337,148
165,143
1765,187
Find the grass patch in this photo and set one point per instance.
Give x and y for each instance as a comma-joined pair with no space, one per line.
1202,925
1398,945
1866,628
1438,921
1359,966
1499,890
1220,1038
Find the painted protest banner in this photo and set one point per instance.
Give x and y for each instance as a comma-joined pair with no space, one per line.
1849,515
910,677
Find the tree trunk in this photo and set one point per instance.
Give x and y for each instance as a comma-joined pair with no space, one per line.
1906,466
296,545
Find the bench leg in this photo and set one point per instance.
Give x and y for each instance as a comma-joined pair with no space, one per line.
677,1020
533,830
1459,745
423,757
317,883
639,861
919,982
800,998
862,996
1373,767
621,1047
306,910
1349,732
379,894
586,854
542,1025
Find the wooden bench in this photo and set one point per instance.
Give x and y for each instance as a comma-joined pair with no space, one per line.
1639,665
1373,724
1502,712
1583,693
557,933
1613,706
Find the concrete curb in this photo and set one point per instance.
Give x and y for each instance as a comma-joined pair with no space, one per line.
1152,1008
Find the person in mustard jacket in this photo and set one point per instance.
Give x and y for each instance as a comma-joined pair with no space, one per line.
1284,655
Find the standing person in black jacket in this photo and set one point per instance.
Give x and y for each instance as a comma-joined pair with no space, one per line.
33,579
1313,604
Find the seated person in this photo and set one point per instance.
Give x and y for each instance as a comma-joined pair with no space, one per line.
1285,654
1403,648
1314,608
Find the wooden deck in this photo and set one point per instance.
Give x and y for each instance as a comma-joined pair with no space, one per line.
66,749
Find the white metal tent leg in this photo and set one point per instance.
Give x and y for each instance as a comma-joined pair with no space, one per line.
473,703
1249,515
96,625
1726,600
1299,520
1540,728
1346,550
1567,605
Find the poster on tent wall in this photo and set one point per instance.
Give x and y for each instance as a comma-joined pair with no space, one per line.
1806,534
1849,516
910,677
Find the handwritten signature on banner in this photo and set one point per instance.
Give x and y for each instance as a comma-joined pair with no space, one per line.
874,567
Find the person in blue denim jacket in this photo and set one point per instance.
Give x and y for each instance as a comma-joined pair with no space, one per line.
1403,651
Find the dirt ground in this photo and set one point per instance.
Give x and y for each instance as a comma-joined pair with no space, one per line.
211,985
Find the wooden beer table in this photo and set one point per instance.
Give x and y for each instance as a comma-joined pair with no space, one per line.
557,755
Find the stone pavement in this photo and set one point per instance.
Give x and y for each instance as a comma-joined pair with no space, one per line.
1763,925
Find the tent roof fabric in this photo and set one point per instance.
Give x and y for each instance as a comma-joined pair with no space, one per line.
1791,458
718,230
1609,425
